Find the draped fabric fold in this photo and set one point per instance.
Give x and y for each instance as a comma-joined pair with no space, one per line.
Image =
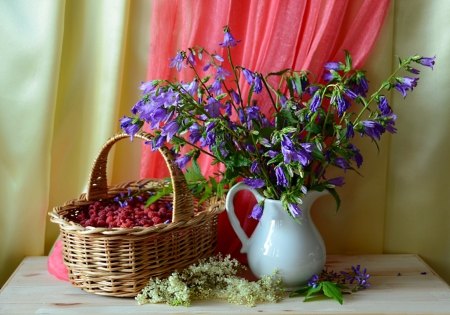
275,35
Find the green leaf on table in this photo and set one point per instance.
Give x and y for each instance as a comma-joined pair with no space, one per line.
330,290
299,291
313,290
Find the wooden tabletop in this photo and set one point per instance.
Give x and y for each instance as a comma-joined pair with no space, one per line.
401,284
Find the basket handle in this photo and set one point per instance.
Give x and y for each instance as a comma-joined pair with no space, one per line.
183,204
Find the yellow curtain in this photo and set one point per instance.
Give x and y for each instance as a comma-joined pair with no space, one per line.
402,204
70,69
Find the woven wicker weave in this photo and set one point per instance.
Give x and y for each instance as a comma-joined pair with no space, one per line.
119,261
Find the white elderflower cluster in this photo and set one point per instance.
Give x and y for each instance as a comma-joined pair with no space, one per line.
213,278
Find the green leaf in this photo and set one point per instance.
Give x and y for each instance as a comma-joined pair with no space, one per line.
278,73
206,79
221,96
290,87
266,132
341,286
277,159
313,290
298,83
196,166
335,195
299,291
250,94
330,290
213,182
348,59
160,193
192,175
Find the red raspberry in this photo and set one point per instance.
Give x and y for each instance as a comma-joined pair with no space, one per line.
157,220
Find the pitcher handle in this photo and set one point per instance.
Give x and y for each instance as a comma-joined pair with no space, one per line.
232,216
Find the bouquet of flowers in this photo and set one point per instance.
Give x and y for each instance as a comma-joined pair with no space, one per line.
282,154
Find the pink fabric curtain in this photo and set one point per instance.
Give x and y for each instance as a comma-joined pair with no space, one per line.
275,35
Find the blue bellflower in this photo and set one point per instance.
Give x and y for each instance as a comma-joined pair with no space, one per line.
257,211
258,84
254,183
182,161
357,157
281,177
248,76
170,129
228,40
157,142
252,112
295,210
427,61
350,132
336,66
147,87
236,97
383,106
222,73
316,101
213,107
177,62
373,129
342,163
195,133
338,181
191,59
129,128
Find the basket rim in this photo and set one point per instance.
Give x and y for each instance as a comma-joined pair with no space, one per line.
214,206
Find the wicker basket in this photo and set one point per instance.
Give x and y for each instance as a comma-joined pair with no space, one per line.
119,261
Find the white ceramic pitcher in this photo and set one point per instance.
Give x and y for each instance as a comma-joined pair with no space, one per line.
279,242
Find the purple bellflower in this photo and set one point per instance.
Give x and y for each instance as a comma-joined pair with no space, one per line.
255,168
357,157
157,142
147,87
129,128
281,177
350,132
252,113
336,66
177,62
217,57
258,84
216,87
383,106
195,133
338,181
254,183
248,75
228,40
373,129
182,161
222,73
190,60
170,129
342,163
257,211
315,102
295,210
236,97
213,107
427,61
